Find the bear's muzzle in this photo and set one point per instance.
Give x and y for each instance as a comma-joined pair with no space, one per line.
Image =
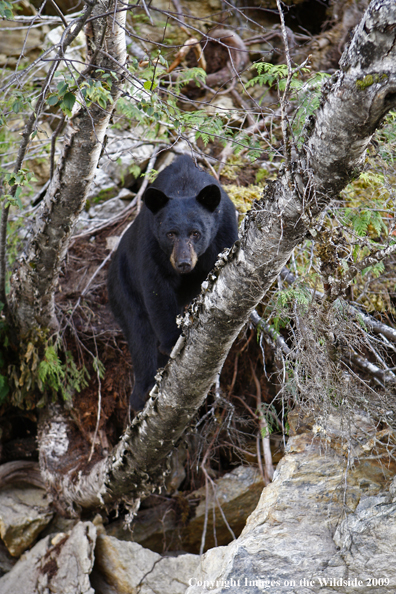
183,257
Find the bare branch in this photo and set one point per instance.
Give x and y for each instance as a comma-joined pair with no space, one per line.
338,287
370,322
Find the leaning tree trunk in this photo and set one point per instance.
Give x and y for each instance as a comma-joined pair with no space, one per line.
354,103
33,284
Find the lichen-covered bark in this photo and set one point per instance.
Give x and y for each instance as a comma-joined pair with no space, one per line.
33,284
363,92
350,113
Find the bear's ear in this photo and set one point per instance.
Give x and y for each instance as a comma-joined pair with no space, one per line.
210,197
155,199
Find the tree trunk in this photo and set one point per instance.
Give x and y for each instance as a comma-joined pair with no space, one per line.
353,106
33,284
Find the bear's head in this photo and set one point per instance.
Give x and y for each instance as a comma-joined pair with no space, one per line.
184,227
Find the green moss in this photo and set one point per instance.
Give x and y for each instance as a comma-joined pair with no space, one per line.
243,197
370,79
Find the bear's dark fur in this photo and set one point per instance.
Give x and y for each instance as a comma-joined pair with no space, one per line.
187,219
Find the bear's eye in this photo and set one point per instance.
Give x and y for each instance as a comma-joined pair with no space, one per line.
171,235
195,235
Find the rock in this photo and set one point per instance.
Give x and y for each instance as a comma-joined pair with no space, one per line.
126,195
12,39
236,492
224,108
60,564
292,539
367,540
100,213
112,242
6,561
59,524
123,160
24,513
103,187
165,158
128,568
74,52
125,156
107,210
134,48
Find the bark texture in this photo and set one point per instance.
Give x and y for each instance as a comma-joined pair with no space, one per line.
33,284
353,105
362,93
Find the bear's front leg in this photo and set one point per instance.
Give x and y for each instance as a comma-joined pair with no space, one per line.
163,310
142,343
168,334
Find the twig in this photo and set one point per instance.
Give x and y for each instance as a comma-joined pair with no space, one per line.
374,258
210,166
99,403
260,464
60,13
368,367
53,145
234,376
244,105
283,98
102,265
371,323
382,376
275,336
179,10
109,255
118,218
264,432
147,12
146,180
121,215
230,530
31,24
207,478
205,526
229,148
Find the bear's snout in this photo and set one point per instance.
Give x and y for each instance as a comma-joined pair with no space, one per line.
184,267
183,257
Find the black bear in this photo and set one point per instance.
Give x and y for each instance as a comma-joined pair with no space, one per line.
186,220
